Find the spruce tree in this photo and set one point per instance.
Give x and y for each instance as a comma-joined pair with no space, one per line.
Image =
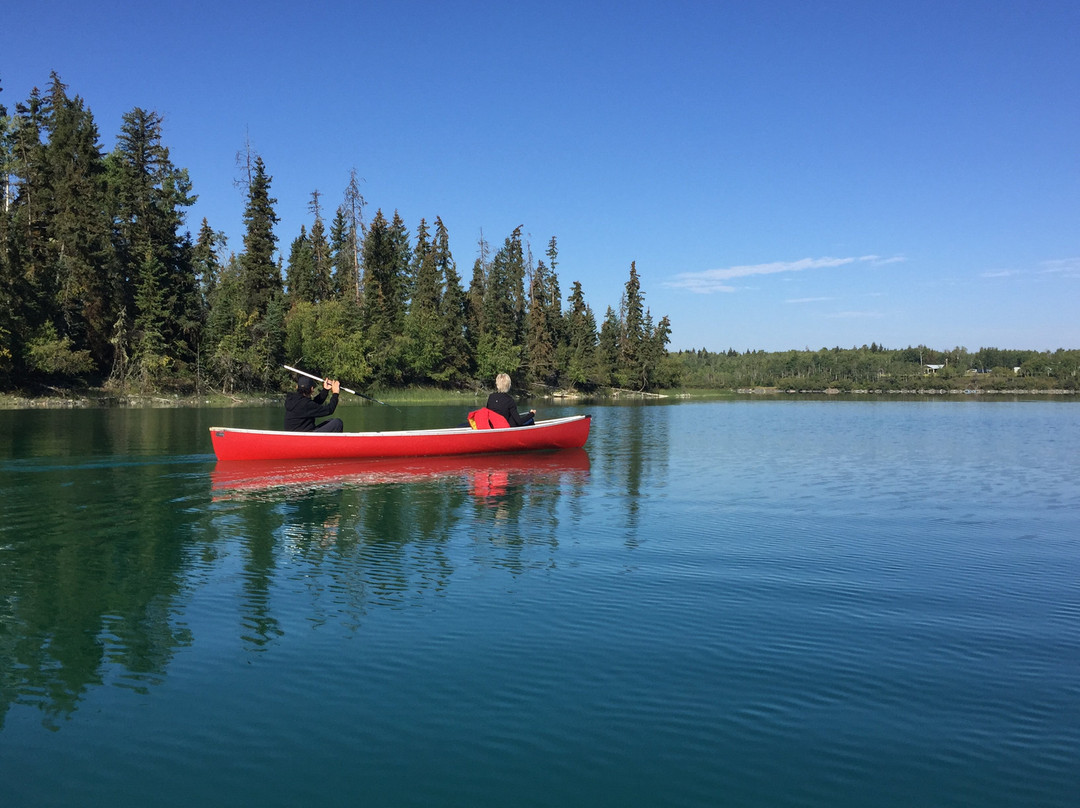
455,365
402,287
378,278
149,348
385,271
501,341
543,326
341,258
28,283
322,269
10,324
79,252
504,293
608,348
474,302
628,370
261,277
206,262
148,195
349,255
300,280
580,365
423,336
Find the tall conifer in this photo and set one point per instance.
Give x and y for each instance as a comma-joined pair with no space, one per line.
300,281
149,194
322,270
77,225
455,364
261,277
423,336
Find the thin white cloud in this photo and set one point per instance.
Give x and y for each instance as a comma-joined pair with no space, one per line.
1059,267
808,299
1067,267
716,280
851,315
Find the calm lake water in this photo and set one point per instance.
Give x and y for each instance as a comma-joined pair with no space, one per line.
767,603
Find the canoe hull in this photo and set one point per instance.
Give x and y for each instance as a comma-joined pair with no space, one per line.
258,444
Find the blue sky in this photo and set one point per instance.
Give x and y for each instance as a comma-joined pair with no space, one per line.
785,173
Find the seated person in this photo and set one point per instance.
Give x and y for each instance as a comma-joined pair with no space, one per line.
301,409
503,403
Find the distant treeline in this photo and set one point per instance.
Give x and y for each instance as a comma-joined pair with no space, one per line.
879,369
101,283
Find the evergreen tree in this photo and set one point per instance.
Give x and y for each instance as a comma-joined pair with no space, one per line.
300,280
27,211
474,302
150,360
543,323
423,335
385,272
77,228
608,348
148,194
501,340
348,255
208,270
247,317
580,363
21,307
206,262
322,274
404,280
379,278
629,366
663,372
341,258
10,320
261,277
504,292
455,365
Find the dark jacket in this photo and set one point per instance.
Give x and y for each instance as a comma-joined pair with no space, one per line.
301,411
504,404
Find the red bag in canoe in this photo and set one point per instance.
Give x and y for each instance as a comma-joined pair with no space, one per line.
484,418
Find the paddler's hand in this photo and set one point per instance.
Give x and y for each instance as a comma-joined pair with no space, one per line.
327,384
335,387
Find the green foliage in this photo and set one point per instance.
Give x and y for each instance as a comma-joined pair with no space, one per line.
52,354
878,369
327,336
579,359
503,307
497,354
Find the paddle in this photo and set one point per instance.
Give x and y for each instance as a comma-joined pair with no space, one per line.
346,389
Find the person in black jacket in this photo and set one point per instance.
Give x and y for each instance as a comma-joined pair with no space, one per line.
301,409
503,403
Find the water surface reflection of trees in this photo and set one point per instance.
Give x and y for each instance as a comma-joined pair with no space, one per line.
102,561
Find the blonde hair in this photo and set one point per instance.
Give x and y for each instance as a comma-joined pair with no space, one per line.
502,383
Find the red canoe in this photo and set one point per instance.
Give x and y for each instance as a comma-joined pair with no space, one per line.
260,444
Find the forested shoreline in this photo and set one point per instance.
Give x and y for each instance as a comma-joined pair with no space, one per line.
877,369
102,285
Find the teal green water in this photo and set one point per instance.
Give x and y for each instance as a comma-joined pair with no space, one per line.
789,603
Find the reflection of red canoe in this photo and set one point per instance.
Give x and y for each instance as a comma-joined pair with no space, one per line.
258,444
492,471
